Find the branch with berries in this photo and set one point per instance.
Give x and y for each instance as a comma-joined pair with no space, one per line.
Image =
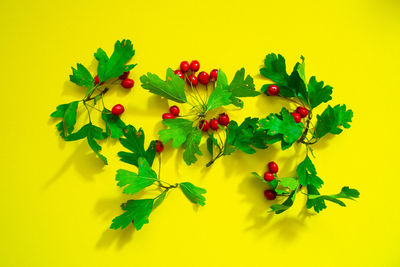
204,95
110,70
299,127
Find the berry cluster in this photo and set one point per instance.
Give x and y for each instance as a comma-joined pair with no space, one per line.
270,176
188,71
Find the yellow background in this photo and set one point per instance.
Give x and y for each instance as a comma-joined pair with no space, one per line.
57,199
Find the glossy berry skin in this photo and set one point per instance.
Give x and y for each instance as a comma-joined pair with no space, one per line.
214,124
174,110
167,116
192,80
203,78
268,176
273,90
180,74
214,75
223,119
194,66
273,167
270,194
124,76
184,67
204,125
159,146
296,116
302,111
127,83
117,110
96,79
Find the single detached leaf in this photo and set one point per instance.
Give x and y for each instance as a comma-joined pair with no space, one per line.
114,125
68,113
173,88
307,174
331,119
289,182
275,69
191,146
241,87
318,93
221,96
81,76
193,193
178,131
136,211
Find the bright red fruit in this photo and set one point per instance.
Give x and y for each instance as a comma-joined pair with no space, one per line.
270,194
273,167
204,125
302,111
124,76
192,80
180,74
223,119
273,90
174,110
127,83
203,78
96,79
167,116
117,110
194,65
184,66
214,124
214,75
268,176
159,146
296,116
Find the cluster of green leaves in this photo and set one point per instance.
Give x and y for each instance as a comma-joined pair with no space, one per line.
137,211
108,68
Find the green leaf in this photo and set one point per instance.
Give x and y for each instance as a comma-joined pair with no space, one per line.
221,96
191,146
279,208
193,193
136,182
241,87
273,183
296,82
318,93
275,68
137,211
81,76
158,200
211,141
114,125
114,66
95,133
289,182
315,199
317,204
307,174
173,88
331,119
68,113
178,131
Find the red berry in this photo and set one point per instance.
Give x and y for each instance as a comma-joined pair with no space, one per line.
96,79
127,83
214,124
302,111
268,176
159,146
270,194
174,110
214,75
124,76
203,78
273,167
273,90
194,65
296,116
180,74
204,125
223,119
167,116
192,80
184,66
117,110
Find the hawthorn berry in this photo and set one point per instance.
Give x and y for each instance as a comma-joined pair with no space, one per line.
184,66
124,76
214,124
273,167
302,111
96,79
203,78
159,146
214,75
270,194
180,74
223,119
204,125
296,116
117,110
194,65
127,83
167,116
268,176
174,110
192,80
273,90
